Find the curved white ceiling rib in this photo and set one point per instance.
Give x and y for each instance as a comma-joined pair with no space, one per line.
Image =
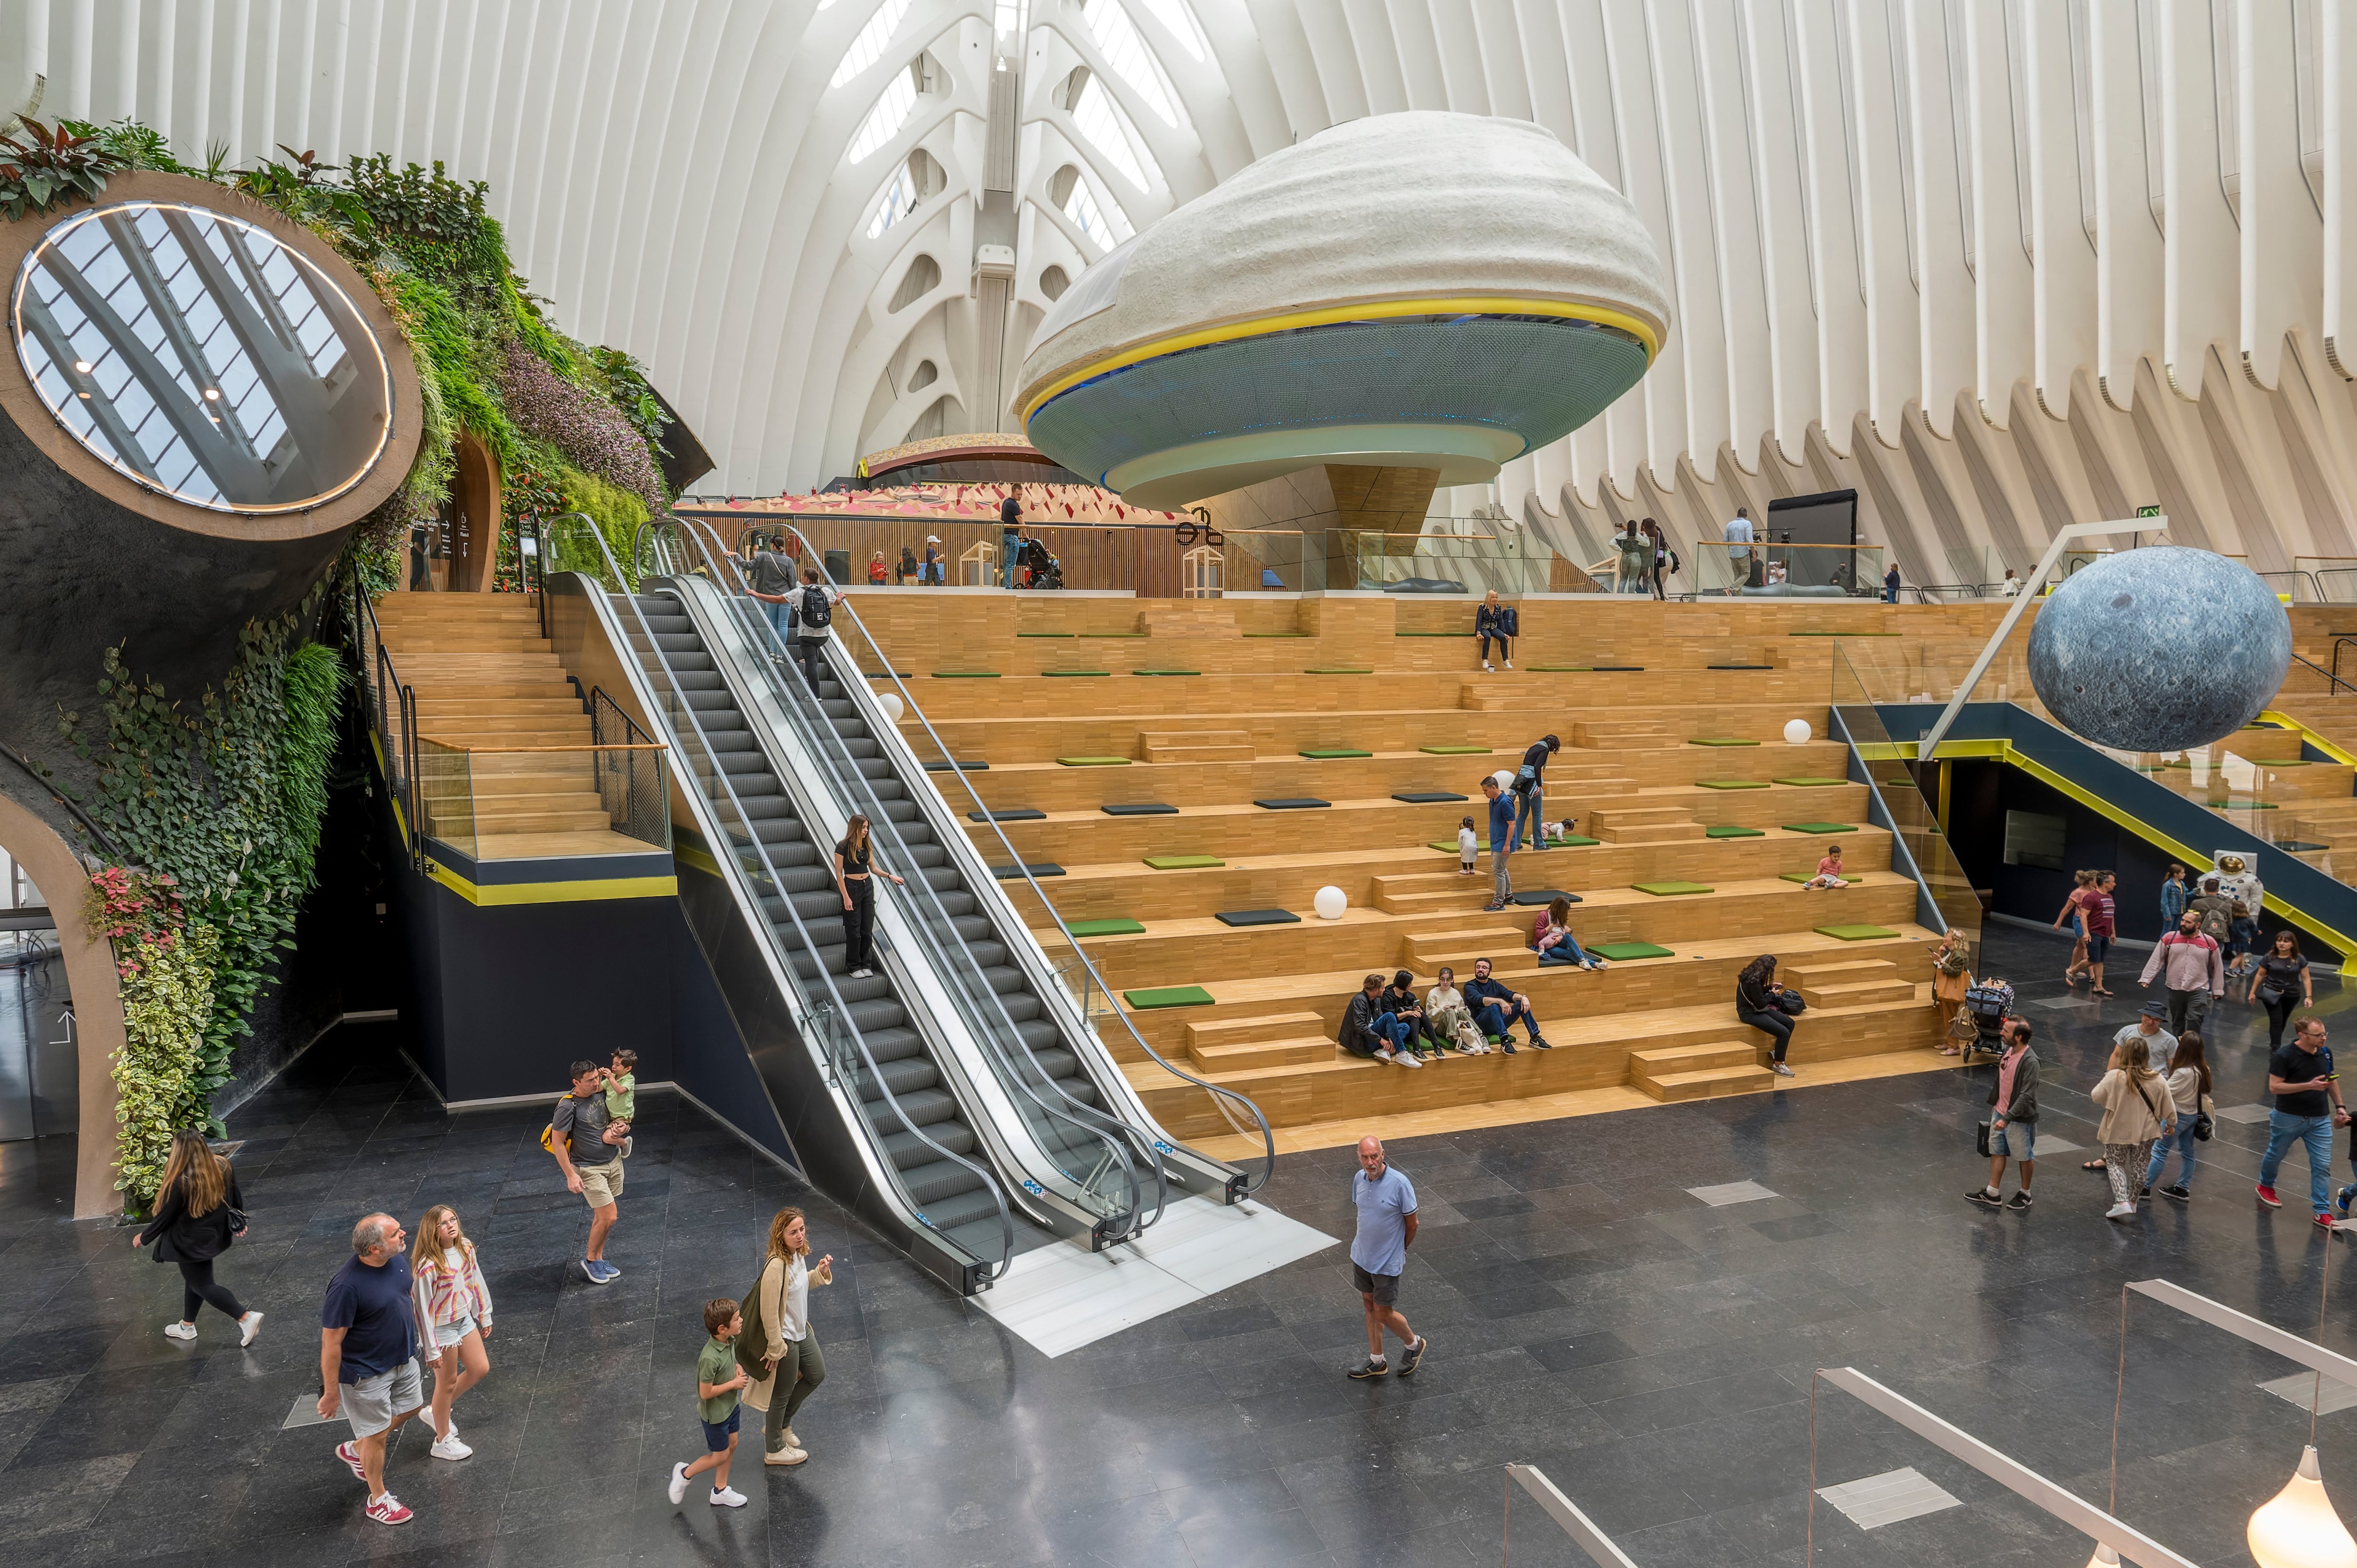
1973,258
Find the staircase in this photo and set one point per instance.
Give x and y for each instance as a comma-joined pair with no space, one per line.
1278,1040
489,682
1849,983
1624,735
1700,1072
1656,824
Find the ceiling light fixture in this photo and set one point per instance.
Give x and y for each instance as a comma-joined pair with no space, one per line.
2297,1528
81,367
212,394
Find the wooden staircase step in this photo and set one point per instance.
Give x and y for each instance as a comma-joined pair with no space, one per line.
1837,971
1891,990
1195,746
1652,832
1710,1083
1246,1031
1638,816
1215,1061
1663,1059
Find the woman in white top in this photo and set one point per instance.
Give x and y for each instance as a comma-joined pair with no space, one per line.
1448,1021
2188,1090
454,1307
2137,1110
791,1368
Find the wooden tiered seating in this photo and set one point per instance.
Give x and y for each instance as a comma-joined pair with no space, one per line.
487,680
1644,790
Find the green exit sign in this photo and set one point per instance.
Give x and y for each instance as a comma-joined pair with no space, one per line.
2147,511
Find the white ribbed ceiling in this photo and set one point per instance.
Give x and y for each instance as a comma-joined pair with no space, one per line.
1867,206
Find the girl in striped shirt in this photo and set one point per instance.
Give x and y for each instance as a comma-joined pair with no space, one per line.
454,1312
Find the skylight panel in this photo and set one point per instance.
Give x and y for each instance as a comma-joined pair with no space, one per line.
884,121
899,199
1106,226
869,47
1093,113
1116,35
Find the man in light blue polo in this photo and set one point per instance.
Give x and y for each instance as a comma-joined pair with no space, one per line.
1386,1205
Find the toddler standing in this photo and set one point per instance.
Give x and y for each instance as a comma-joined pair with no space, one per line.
1468,844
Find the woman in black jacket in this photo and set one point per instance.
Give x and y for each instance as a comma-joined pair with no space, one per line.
1495,622
198,1213
1755,1004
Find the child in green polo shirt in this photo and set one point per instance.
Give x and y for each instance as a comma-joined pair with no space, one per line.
622,1094
718,1379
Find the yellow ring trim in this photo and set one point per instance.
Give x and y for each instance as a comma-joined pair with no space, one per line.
1261,327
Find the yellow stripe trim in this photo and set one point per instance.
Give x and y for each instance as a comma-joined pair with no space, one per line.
2003,751
1262,326
579,892
2338,753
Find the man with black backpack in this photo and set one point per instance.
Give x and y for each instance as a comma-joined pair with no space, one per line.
814,608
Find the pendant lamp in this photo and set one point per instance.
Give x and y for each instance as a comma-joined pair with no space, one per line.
2297,1528
2104,1557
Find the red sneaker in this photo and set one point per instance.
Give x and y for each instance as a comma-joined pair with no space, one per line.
349,1453
2267,1196
2324,1222
387,1510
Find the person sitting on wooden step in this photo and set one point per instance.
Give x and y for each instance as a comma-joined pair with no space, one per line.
1496,1007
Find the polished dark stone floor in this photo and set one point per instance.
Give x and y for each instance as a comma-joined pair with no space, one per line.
1650,1354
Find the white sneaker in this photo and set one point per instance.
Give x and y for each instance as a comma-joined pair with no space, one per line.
1489,667
1384,1057
728,1498
862,973
252,1325
786,1455
180,1331
451,1448
2121,1211
792,1441
677,1490
1510,664
1411,1060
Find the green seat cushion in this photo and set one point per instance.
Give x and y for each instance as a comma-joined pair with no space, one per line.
1043,634
1106,928
1454,750
1092,762
1574,842
1334,753
1730,784
1856,933
965,675
1671,890
1168,996
1183,862
1340,670
1570,841
1166,671
1258,918
1809,781
1723,740
962,766
1821,827
1805,877
1540,897
1071,674
1109,634
1729,831
1620,951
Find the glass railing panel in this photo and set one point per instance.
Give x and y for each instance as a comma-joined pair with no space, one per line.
1800,570
1895,782
445,794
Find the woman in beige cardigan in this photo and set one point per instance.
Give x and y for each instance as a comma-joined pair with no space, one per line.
777,1347
2137,1110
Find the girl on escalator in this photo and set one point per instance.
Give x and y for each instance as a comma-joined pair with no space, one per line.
853,862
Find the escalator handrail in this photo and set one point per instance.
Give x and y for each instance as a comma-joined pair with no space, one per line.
1092,1122
1220,1093
786,968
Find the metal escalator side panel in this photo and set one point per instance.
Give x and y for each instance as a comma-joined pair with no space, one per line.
822,1121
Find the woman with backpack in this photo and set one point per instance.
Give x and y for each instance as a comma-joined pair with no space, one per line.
1757,1002
776,1347
199,1215
2137,1110
1493,621
2281,982
2188,1091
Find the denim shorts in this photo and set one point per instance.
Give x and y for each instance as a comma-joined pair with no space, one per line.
2014,1140
717,1434
2097,947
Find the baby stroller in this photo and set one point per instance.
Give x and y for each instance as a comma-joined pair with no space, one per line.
1044,569
1986,1007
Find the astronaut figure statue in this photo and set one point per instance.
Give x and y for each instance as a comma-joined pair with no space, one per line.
2238,882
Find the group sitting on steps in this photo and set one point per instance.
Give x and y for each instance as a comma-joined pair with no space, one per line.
1386,1024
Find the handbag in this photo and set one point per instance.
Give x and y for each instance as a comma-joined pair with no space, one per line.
2204,1127
237,1221
1981,1138
1788,1001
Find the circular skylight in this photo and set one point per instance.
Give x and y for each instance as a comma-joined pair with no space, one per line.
201,357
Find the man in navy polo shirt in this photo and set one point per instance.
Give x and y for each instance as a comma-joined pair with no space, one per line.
368,1355
1386,1205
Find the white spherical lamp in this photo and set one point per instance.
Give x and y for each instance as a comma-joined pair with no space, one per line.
892,706
2297,1529
1505,778
1797,732
1330,903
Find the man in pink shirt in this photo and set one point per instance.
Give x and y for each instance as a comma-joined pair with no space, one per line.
2193,969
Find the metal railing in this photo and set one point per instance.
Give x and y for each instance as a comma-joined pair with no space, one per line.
393,713
829,1021
950,957
459,785
638,804
1895,788
1092,982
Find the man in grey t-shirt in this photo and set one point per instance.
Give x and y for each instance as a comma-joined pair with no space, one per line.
772,583
586,1142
